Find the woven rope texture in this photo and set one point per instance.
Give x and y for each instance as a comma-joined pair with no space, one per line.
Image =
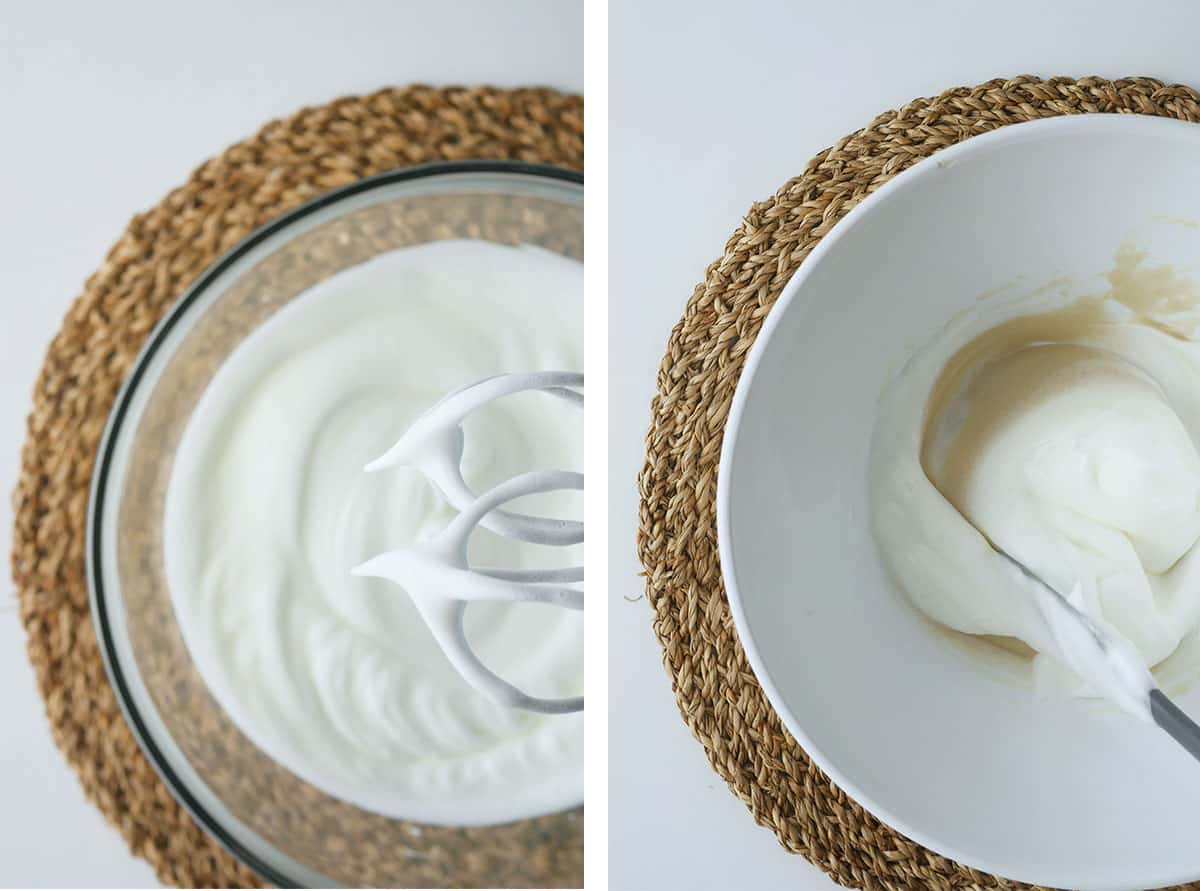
161,252
717,693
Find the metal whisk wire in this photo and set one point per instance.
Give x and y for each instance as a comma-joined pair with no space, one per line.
427,570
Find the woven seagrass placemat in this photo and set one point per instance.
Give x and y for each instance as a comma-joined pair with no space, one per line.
161,252
716,690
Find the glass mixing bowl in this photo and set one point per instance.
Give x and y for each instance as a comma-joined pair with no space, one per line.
280,826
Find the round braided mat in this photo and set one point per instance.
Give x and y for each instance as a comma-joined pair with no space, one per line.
717,693
162,251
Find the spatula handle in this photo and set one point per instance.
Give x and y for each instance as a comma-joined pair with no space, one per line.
1172,719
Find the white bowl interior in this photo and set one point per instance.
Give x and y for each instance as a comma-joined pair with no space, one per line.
923,734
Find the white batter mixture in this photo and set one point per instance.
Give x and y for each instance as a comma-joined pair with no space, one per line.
1064,432
336,676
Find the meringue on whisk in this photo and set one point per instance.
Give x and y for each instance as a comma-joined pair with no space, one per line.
437,573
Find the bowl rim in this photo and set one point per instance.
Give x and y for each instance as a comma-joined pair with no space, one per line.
98,485
1094,124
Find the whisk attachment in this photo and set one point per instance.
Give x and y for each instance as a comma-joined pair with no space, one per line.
433,445
437,574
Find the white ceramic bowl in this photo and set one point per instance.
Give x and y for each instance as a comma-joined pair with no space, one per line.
922,734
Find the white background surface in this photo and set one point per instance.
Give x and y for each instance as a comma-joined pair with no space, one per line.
106,107
710,111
